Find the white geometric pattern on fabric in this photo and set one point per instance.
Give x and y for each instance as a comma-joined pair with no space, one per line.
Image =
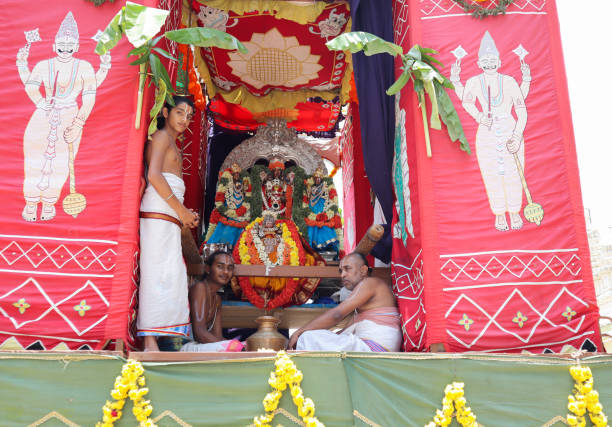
413,274
493,318
401,9
60,255
408,339
529,264
408,285
448,8
54,306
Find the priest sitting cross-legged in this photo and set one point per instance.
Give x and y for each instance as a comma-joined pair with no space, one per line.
376,323
205,306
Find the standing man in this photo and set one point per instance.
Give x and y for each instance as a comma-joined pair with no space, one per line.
57,121
205,306
164,308
499,137
375,325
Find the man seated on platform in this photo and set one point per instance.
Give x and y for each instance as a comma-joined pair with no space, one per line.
205,306
376,323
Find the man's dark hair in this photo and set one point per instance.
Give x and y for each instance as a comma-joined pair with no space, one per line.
363,258
178,99
211,258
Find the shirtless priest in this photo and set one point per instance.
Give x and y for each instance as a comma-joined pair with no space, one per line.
375,325
206,306
164,308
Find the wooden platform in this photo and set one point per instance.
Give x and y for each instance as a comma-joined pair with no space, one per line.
244,315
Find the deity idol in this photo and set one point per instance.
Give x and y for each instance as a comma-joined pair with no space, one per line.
232,211
56,126
322,221
499,139
277,189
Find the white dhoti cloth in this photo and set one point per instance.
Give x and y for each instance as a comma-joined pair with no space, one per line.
163,295
363,335
227,345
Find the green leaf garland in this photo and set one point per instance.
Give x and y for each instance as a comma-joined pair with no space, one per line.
481,12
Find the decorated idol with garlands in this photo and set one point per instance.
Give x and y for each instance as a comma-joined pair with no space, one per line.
277,189
320,201
232,210
273,241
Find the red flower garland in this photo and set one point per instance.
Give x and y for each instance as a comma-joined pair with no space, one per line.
284,298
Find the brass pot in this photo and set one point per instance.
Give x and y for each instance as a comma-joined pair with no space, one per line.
267,335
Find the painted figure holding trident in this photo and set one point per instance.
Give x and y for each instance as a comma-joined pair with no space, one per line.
500,145
53,134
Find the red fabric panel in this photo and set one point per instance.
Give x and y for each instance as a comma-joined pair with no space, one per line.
309,116
298,50
407,266
529,288
191,145
68,279
357,206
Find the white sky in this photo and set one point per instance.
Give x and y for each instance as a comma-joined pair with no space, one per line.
586,32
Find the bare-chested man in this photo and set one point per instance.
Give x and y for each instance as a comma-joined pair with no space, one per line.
164,306
205,303
375,325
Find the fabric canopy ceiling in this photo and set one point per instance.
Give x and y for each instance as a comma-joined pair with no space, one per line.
287,63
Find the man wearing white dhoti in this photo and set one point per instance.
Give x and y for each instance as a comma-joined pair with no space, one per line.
205,306
499,139
375,326
163,302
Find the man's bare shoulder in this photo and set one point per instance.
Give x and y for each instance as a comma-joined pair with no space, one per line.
160,139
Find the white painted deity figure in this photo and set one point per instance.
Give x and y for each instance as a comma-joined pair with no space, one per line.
332,26
499,139
57,121
213,18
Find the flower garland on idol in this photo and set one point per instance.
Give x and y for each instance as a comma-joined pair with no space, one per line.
130,384
584,399
251,250
222,213
329,217
454,396
286,374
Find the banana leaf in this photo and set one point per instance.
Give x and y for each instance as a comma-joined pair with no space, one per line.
110,36
370,44
401,81
140,23
206,37
160,97
451,118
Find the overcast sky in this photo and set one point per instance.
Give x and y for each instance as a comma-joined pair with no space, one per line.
586,33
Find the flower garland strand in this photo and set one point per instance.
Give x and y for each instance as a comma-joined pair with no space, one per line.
481,12
245,252
584,399
453,394
286,374
130,384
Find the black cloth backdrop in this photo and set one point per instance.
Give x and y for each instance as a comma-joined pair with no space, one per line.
373,75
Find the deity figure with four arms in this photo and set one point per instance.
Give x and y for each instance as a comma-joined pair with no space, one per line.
57,121
232,210
499,138
277,189
323,219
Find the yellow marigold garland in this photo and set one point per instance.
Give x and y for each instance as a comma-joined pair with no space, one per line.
130,384
453,394
286,374
584,399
